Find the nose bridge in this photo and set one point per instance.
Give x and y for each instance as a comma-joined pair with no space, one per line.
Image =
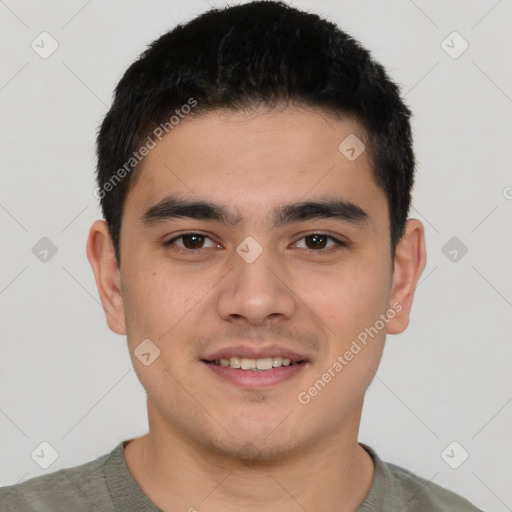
256,288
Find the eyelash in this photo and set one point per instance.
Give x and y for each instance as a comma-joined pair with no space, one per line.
338,243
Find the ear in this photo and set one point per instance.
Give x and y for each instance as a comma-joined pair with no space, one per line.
101,255
410,260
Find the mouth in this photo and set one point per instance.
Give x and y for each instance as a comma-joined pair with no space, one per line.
257,365
256,373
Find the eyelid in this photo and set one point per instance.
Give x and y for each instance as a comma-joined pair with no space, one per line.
338,242
334,236
191,232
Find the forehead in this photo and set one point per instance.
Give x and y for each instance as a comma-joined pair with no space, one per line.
251,162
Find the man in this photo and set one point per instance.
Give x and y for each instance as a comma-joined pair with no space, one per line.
255,173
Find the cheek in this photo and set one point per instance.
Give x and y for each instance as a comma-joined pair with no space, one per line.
154,298
165,299
347,298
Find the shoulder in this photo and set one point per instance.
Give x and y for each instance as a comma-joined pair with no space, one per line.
396,488
79,488
418,493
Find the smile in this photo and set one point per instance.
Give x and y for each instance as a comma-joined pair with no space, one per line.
243,363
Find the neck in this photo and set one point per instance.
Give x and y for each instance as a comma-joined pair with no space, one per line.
334,473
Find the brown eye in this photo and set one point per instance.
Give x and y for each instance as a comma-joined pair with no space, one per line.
190,242
318,242
193,241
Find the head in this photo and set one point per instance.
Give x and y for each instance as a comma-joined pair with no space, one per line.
284,150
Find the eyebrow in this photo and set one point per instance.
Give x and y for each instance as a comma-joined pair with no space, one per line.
173,207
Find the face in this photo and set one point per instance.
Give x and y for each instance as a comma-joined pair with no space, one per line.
288,262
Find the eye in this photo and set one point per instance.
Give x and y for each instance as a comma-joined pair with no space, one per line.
190,242
317,242
193,241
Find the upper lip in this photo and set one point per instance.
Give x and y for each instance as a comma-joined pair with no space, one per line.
251,352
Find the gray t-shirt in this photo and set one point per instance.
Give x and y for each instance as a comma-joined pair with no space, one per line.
106,484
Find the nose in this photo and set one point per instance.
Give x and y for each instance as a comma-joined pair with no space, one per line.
257,291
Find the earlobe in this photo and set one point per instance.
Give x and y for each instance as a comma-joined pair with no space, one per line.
101,256
410,260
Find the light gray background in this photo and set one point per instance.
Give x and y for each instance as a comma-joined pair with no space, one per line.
67,380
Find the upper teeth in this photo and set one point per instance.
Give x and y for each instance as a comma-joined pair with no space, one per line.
254,364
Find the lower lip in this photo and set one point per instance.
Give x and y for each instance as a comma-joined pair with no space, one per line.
250,379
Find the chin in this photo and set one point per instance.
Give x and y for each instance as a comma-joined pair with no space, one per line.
257,445
251,453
